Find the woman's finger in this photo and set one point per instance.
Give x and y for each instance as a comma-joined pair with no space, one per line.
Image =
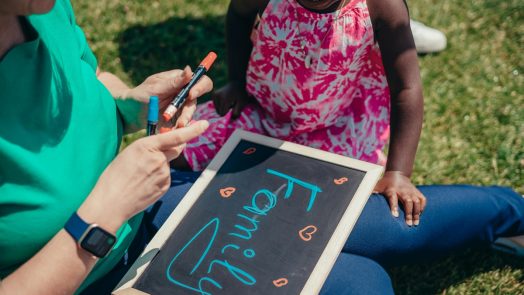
170,74
166,141
167,89
174,152
186,114
203,86
407,203
179,81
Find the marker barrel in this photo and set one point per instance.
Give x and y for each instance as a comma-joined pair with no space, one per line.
204,66
151,128
152,116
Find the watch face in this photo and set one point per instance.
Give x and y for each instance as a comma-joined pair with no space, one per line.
98,242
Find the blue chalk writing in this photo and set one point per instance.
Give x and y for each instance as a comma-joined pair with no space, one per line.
216,223
238,273
249,253
201,287
290,184
248,231
262,202
271,202
236,247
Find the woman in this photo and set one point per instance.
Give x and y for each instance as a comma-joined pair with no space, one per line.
59,134
61,129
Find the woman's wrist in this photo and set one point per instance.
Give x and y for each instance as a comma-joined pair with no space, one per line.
94,212
117,88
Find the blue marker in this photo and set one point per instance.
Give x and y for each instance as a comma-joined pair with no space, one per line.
152,115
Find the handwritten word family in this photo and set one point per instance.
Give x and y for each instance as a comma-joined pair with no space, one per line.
260,205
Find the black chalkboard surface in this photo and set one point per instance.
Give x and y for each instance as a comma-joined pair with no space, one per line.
270,219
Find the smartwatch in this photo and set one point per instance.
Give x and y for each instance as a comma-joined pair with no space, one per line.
90,237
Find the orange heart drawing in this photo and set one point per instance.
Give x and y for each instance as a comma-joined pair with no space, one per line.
250,150
340,180
307,232
280,282
227,192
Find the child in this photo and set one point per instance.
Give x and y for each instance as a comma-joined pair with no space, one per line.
314,74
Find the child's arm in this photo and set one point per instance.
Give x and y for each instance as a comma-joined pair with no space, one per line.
392,31
240,18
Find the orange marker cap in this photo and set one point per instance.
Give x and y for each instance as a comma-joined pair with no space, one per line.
209,60
166,117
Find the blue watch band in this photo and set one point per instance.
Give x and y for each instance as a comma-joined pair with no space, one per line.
76,227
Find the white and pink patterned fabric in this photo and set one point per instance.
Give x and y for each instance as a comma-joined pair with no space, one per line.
339,102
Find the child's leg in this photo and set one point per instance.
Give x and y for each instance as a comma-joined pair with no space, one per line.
355,275
456,216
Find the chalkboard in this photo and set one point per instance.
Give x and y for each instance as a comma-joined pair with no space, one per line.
266,217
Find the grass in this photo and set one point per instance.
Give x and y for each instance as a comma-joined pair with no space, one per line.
474,91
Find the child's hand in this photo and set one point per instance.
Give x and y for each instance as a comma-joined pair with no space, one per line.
232,96
395,186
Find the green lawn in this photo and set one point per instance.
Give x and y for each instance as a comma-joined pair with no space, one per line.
474,92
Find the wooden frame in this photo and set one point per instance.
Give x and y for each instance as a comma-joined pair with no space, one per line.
335,244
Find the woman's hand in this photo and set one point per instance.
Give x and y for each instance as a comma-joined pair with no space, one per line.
232,96
137,177
132,102
397,187
166,86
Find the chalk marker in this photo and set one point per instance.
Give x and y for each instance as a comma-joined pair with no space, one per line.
152,115
202,69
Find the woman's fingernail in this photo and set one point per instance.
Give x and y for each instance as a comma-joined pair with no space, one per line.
416,223
205,124
409,222
395,212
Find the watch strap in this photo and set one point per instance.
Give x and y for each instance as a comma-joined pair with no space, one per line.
76,226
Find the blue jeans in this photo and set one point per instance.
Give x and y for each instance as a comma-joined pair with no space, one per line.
456,216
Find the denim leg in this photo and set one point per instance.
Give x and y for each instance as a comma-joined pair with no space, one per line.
357,275
456,216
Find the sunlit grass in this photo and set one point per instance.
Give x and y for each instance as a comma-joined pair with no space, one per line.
474,99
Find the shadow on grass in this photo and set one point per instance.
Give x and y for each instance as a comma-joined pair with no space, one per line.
436,277
174,43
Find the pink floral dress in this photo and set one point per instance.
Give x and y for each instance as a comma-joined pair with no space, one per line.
319,81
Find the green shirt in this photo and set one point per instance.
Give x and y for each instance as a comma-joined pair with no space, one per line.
59,129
